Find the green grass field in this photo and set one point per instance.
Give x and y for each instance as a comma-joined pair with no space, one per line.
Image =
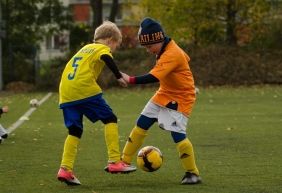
236,133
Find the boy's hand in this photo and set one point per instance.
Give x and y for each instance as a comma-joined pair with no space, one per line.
122,82
125,77
5,109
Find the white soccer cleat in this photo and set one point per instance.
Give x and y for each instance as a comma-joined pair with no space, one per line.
190,178
3,132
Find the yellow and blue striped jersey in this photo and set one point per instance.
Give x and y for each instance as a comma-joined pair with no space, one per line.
79,78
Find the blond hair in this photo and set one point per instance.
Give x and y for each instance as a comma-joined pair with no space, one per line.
108,30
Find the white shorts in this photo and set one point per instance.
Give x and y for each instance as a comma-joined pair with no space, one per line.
168,119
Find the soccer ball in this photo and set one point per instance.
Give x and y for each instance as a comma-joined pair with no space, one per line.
33,103
149,159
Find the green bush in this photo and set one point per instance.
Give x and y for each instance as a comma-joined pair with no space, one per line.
218,65
50,74
213,65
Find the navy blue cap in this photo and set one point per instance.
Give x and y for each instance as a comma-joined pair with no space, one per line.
150,32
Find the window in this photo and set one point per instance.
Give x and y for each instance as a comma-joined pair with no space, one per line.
54,42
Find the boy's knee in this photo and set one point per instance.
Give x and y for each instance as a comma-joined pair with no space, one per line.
112,119
177,137
145,122
75,131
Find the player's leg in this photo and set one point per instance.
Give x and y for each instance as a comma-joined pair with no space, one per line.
136,137
187,158
70,147
175,122
99,109
111,134
115,165
3,132
73,121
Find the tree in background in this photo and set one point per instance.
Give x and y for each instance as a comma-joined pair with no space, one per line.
114,11
207,21
190,21
246,20
27,23
97,9
231,12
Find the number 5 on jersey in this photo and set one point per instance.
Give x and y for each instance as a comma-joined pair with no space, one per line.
75,66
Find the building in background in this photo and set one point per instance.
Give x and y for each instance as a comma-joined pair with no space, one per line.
57,44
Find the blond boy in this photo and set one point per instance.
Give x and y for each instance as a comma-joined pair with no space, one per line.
80,95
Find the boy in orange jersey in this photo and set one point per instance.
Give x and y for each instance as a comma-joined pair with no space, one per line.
173,101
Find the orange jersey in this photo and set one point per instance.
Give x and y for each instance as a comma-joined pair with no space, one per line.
176,79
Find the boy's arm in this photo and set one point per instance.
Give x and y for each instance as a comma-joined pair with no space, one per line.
111,65
143,79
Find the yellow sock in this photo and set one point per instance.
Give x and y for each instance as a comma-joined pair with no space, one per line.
135,140
112,141
186,155
70,151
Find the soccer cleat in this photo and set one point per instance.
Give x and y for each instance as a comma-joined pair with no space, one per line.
190,178
3,132
119,167
68,177
0,139
5,136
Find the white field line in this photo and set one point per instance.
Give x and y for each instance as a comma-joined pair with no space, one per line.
25,116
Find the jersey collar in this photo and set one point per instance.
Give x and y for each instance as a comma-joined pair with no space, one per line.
166,41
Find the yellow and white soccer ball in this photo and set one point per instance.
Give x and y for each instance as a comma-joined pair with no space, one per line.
149,159
34,103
